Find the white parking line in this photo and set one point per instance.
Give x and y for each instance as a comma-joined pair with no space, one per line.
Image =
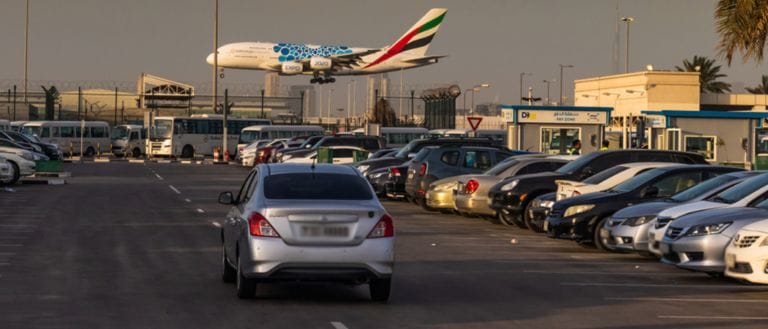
700,300
187,200
608,273
706,317
174,189
653,285
338,325
216,224
158,176
200,210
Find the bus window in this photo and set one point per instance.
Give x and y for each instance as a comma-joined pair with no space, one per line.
67,132
46,132
99,132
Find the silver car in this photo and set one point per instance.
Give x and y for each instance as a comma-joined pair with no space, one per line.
697,241
308,223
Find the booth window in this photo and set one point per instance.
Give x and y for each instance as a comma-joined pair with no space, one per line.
557,140
704,145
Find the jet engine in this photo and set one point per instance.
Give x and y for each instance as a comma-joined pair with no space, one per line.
291,68
320,63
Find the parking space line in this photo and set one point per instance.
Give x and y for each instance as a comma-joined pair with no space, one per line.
200,210
700,300
661,285
609,273
174,189
707,317
338,325
216,224
187,200
158,176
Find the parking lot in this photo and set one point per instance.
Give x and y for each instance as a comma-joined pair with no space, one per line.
137,246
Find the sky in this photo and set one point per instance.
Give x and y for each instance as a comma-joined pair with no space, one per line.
487,41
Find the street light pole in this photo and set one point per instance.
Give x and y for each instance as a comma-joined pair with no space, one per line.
26,51
548,82
629,21
522,74
216,54
561,101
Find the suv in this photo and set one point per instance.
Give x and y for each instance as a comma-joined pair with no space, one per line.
511,197
436,163
368,143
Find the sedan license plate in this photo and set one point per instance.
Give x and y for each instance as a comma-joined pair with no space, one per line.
324,231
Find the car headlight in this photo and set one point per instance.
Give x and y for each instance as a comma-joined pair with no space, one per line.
707,229
546,204
575,210
27,156
377,175
637,221
363,168
509,186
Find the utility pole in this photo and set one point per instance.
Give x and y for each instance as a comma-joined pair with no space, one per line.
561,101
26,51
629,21
225,109
548,82
349,100
115,121
262,103
216,57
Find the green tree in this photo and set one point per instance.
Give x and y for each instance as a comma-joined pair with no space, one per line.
762,88
709,73
743,27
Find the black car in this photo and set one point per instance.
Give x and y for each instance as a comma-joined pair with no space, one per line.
308,143
579,218
511,197
50,150
369,143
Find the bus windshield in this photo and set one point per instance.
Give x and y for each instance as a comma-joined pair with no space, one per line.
248,136
120,132
162,129
30,130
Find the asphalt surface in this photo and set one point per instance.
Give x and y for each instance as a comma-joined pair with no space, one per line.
137,246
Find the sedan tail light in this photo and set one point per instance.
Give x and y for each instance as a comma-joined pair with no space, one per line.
394,172
259,226
575,193
423,169
383,229
472,186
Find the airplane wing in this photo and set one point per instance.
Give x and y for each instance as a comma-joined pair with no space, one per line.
347,60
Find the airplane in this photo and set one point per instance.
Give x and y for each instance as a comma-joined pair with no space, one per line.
324,62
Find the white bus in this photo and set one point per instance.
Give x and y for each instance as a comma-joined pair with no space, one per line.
397,136
186,136
5,125
69,134
250,134
129,140
16,125
448,133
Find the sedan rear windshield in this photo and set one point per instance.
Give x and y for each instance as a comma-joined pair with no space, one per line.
700,189
603,175
639,180
316,186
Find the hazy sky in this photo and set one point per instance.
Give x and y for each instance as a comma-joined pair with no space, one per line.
487,40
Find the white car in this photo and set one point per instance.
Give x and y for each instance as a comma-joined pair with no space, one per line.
22,162
746,257
750,191
6,171
341,155
605,179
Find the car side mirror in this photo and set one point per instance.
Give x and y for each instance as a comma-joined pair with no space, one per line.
226,198
649,192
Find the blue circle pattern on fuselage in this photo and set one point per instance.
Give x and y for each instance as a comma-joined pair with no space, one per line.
293,51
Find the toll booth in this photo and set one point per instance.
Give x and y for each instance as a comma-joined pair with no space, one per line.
731,138
552,129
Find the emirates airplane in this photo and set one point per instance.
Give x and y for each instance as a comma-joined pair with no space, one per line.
324,62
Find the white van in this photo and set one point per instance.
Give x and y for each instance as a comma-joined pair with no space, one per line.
253,133
397,136
92,137
448,133
129,140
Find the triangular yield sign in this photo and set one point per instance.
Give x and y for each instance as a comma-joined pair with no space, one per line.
474,122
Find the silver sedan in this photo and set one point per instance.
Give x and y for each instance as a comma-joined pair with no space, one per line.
303,222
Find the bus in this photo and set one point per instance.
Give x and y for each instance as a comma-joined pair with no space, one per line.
447,133
5,125
68,135
250,134
129,140
16,125
397,136
186,136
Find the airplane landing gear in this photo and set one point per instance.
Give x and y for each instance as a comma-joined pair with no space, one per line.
327,78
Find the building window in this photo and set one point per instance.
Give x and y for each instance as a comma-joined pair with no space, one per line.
704,145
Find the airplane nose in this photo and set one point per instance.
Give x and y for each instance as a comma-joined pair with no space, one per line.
209,59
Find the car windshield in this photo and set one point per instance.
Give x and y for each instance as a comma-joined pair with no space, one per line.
741,190
248,136
316,186
30,130
120,133
637,181
574,165
605,174
699,189
311,141
500,167
162,129
407,149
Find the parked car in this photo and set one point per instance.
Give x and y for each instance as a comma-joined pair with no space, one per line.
581,218
52,151
511,197
22,161
308,143
745,257
628,228
472,190
445,161
7,173
383,153
698,241
605,179
539,210
22,143
341,155
368,143
247,156
740,195
293,222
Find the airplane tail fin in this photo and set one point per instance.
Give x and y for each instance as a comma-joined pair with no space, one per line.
416,40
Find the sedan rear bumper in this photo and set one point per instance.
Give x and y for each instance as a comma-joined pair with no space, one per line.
472,204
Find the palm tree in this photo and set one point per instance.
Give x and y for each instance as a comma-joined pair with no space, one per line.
762,88
743,27
708,74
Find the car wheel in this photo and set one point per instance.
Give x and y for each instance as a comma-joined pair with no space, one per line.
89,152
506,219
528,219
600,241
228,273
136,152
188,152
15,175
246,287
380,289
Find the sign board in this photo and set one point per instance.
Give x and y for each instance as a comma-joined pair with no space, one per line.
508,115
657,121
474,122
574,117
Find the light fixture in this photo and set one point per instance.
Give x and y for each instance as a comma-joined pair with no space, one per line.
649,67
